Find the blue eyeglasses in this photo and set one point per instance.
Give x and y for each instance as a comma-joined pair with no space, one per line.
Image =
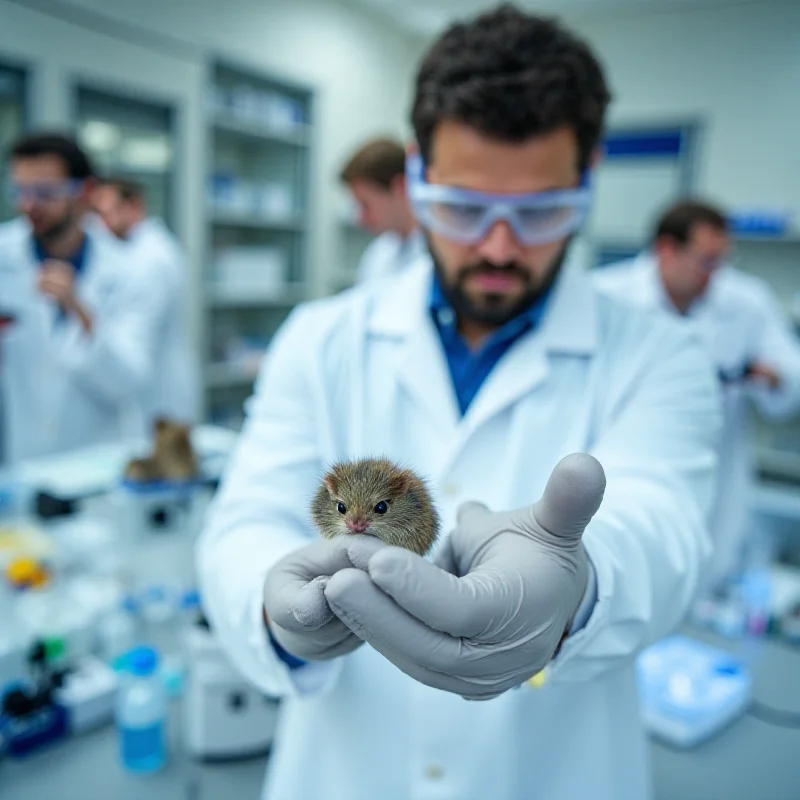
44,192
466,217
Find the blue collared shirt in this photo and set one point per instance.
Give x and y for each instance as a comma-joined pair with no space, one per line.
468,368
77,259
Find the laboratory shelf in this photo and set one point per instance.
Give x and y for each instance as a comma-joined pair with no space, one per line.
230,124
227,297
257,222
260,134
224,376
760,238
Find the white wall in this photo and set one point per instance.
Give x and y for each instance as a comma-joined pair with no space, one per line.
737,68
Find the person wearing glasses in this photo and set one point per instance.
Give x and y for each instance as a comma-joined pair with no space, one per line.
747,335
80,339
375,178
568,441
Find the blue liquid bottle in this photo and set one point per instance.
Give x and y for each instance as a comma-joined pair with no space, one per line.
141,713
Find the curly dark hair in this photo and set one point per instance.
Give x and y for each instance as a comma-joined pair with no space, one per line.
511,75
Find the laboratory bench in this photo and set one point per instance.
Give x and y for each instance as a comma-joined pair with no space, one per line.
751,759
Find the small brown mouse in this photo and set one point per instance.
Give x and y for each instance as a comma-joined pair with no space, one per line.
375,496
173,458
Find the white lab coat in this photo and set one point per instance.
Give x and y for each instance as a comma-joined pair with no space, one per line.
389,254
364,374
61,388
158,258
738,320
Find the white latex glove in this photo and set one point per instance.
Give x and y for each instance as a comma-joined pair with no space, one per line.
493,609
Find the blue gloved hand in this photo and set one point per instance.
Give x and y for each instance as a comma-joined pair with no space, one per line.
492,609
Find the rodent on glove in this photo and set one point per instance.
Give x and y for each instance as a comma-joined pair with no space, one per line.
374,496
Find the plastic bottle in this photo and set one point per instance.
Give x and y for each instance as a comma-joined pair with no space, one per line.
158,609
118,632
141,713
175,661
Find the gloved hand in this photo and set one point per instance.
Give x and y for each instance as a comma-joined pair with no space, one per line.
294,602
493,608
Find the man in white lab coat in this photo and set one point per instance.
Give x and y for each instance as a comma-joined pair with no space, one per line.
158,258
79,345
494,370
745,332
375,177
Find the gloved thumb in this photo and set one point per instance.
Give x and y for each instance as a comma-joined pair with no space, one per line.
572,496
310,608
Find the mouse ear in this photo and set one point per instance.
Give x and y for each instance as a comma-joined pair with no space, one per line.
399,484
331,484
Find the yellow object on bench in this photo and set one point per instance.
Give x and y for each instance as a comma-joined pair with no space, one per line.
537,681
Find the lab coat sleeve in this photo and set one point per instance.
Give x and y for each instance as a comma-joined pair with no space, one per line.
260,514
117,359
778,347
649,540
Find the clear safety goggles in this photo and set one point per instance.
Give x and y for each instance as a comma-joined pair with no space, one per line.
466,217
44,192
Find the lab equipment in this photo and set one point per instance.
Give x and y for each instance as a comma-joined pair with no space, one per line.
230,195
266,109
30,716
760,221
118,631
176,659
250,268
466,216
144,509
88,693
13,640
689,690
30,721
44,193
141,713
54,614
224,716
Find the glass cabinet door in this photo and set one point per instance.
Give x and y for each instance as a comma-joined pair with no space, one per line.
13,112
132,139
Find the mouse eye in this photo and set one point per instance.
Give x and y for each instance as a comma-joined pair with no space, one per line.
382,507
341,508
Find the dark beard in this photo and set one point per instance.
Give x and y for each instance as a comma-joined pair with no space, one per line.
493,312
59,229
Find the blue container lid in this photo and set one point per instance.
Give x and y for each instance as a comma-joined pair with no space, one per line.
142,661
129,603
190,600
155,594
